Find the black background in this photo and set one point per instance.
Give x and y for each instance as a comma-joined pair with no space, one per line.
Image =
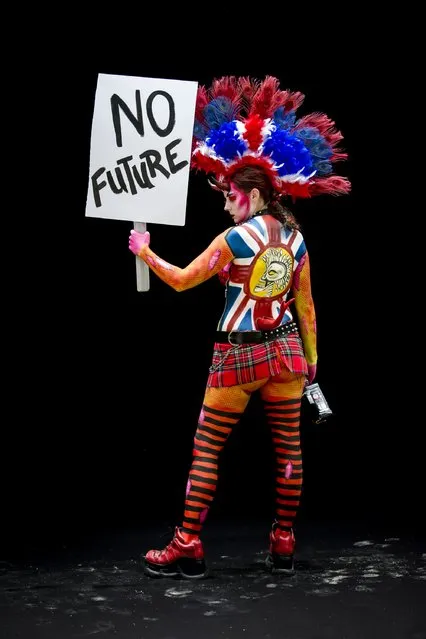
103,385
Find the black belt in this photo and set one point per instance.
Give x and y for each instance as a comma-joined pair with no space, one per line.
255,337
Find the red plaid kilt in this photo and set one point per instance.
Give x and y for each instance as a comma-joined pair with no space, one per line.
249,363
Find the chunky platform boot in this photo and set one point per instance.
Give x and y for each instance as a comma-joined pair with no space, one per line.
280,558
178,558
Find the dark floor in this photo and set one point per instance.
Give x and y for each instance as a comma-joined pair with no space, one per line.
351,583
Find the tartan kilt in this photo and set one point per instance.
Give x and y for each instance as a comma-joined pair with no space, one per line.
249,363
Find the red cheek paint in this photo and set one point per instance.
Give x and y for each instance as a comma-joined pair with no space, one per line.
244,203
242,200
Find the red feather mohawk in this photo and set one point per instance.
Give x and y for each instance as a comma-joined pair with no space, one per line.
245,121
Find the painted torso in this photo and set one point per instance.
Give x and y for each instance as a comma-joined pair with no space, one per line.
266,256
269,268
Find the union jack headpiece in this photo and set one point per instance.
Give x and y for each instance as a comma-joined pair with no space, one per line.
244,121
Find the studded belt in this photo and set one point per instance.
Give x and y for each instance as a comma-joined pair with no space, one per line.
255,337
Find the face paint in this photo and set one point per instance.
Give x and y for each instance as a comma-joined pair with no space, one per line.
237,203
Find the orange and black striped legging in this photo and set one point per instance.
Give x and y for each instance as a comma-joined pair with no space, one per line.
222,409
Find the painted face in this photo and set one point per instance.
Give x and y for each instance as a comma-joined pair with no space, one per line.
237,203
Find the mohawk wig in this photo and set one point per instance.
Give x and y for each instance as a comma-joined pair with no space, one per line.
244,121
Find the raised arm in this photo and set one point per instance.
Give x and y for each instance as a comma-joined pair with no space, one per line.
210,262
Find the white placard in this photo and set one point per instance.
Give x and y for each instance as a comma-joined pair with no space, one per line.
141,149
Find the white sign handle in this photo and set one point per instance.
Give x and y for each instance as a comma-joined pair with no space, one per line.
142,270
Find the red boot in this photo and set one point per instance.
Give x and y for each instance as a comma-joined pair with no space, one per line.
281,551
179,557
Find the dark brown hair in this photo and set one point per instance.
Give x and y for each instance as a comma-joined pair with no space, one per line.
253,177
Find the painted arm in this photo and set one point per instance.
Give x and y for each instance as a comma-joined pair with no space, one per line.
209,263
306,313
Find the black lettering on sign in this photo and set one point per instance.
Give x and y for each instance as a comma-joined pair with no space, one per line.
114,188
97,186
128,176
153,159
133,175
174,168
142,179
130,179
172,114
116,104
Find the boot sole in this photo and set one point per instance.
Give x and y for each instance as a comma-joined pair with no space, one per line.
280,564
186,568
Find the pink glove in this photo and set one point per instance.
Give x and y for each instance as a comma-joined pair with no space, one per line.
312,371
224,274
138,240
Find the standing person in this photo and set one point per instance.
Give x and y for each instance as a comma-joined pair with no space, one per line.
254,150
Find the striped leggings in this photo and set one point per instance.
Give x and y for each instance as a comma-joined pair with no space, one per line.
222,409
